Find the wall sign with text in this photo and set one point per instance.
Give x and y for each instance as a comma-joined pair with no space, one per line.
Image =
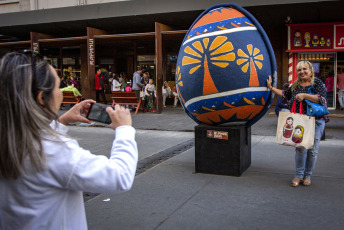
339,36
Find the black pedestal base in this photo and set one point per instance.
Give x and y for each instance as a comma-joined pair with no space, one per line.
223,150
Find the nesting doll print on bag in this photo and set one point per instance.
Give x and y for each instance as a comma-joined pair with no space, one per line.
298,134
288,127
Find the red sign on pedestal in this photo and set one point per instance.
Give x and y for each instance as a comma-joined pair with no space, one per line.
339,36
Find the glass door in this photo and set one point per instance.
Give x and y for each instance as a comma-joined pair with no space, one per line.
170,69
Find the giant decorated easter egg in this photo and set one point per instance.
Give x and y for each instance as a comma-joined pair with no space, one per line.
222,67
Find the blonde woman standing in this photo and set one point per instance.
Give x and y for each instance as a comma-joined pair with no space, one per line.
305,159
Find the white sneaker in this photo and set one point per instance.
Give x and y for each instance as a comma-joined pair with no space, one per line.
164,106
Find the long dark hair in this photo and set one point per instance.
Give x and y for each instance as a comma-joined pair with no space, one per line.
23,121
116,77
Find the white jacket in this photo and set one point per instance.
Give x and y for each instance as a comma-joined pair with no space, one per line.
53,199
116,86
150,87
166,91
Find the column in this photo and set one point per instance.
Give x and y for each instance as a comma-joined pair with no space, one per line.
88,82
159,62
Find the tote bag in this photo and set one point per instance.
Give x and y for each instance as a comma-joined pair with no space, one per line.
295,129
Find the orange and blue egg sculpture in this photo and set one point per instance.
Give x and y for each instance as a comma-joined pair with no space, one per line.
222,67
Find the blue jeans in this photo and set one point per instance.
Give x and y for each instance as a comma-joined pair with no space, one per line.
305,158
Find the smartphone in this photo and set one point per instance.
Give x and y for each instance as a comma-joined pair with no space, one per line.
97,112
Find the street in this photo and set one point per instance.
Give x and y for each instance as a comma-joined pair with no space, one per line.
168,194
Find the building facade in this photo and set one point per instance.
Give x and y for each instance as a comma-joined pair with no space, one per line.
82,35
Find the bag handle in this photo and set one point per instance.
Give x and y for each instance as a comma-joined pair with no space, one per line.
293,108
301,109
311,90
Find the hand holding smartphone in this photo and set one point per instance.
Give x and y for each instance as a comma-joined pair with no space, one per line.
97,112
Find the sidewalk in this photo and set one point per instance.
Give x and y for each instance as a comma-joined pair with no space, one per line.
175,119
172,196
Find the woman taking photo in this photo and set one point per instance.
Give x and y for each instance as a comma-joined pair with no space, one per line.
42,171
304,158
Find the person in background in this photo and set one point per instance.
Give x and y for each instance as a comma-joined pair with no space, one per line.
280,104
305,159
329,83
106,75
111,78
128,88
99,85
340,86
166,92
63,82
123,80
137,85
145,79
43,172
116,85
149,95
175,94
65,73
70,87
72,79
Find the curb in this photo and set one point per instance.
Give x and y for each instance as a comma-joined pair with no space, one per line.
162,156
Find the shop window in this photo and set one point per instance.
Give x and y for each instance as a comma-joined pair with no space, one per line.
170,70
147,63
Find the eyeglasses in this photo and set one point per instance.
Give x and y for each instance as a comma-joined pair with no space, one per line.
34,56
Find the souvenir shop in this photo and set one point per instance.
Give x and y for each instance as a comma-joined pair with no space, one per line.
322,44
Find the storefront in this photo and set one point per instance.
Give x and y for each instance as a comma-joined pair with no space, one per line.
322,44
118,53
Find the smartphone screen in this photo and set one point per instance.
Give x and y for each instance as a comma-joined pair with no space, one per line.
98,113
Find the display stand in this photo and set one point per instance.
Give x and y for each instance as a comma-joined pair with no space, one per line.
223,150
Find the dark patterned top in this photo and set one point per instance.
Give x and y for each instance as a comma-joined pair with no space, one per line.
320,90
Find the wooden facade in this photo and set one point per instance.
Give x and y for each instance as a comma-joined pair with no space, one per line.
117,41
